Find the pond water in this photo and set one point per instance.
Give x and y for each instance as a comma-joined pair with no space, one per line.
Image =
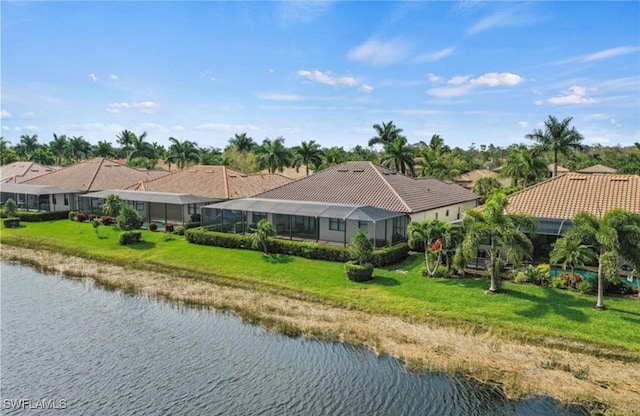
67,344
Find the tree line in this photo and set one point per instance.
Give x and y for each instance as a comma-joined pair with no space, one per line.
558,143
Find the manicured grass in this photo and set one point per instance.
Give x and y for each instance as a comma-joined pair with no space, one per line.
521,312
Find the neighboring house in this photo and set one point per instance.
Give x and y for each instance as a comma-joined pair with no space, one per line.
597,169
318,205
561,170
291,173
556,201
18,172
468,179
39,197
213,182
161,207
94,175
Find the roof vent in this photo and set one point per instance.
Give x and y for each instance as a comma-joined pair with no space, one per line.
343,170
578,179
619,179
358,170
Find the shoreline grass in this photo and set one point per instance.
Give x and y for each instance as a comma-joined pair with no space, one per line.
430,324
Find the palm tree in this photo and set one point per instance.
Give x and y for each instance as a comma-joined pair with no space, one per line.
386,133
77,149
140,148
182,153
273,155
7,155
523,166
112,205
242,142
58,146
308,153
485,187
333,156
264,232
28,143
361,153
616,234
399,155
437,238
103,149
557,137
501,230
43,156
570,252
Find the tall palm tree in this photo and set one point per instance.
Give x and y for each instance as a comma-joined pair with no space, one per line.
333,156
273,155
485,187
570,252
7,155
501,230
307,154
112,205
399,155
140,148
77,149
42,155
28,143
557,137
182,153
386,133
242,142
524,166
103,149
437,237
58,146
616,234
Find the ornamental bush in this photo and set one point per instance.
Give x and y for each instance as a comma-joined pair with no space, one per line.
358,272
11,222
10,208
130,237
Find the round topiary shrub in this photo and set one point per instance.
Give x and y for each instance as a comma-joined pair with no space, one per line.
358,272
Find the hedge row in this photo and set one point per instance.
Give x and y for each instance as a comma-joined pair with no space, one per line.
37,216
310,250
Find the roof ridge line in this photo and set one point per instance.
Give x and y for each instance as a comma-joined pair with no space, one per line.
96,173
389,185
226,181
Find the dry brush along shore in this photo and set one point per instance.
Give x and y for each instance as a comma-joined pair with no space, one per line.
603,385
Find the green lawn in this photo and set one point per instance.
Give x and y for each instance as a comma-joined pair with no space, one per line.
519,312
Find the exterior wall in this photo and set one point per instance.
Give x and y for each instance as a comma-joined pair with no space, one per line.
59,202
455,212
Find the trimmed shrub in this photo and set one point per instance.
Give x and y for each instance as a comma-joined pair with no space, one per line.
106,220
37,216
169,227
153,227
190,225
180,230
81,217
92,217
390,255
588,287
11,222
130,237
357,272
128,218
73,215
10,208
441,272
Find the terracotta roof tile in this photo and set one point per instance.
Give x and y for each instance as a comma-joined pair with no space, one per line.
365,183
564,196
219,182
469,179
18,172
598,169
96,174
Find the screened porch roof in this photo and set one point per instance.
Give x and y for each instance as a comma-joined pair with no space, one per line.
25,188
551,226
308,209
156,197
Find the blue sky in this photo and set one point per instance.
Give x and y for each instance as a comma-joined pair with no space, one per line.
471,71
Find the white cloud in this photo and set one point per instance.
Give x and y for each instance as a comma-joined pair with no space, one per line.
224,127
114,77
448,92
494,79
5,128
28,115
610,53
518,16
365,88
574,95
178,128
458,80
93,77
5,115
434,78
328,78
145,107
523,123
464,84
274,96
380,52
434,56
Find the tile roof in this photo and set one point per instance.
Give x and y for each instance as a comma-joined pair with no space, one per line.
291,173
219,182
96,174
469,179
561,169
564,196
598,169
365,183
18,172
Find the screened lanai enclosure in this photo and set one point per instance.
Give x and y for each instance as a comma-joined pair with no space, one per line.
154,207
305,220
39,197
